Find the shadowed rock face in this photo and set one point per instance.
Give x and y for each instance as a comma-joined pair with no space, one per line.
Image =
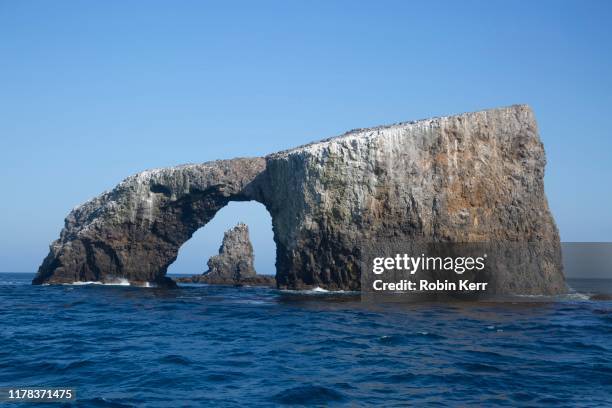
476,177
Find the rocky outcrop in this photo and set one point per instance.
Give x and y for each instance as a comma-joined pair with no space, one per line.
234,263
235,259
475,177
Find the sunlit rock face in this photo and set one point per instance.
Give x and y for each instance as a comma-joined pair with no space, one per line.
475,177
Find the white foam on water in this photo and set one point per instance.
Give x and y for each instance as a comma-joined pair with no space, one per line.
144,285
319,291
114,282
567,296
576,296
534,296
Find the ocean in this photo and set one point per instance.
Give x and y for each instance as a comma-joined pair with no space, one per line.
120,346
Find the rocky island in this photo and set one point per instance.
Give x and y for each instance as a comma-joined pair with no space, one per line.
474,177
234,263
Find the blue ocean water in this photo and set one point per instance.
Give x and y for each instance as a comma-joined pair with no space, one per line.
224,346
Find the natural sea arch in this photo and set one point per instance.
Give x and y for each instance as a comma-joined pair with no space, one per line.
135,230
474,177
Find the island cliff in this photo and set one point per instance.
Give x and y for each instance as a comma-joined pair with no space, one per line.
475,177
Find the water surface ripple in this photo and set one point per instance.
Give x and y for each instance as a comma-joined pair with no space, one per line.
224,346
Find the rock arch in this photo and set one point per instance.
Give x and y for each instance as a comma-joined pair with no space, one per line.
135,230
475,177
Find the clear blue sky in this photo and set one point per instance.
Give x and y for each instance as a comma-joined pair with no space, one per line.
93,91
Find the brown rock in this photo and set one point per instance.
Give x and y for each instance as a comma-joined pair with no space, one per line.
475,177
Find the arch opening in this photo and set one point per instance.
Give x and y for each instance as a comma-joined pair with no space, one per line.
205,242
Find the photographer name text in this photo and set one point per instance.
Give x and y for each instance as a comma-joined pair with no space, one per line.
410,265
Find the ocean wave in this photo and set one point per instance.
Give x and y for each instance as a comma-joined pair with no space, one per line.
308,395
320,291
114,282
576,296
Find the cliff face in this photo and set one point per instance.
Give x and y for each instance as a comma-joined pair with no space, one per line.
476,177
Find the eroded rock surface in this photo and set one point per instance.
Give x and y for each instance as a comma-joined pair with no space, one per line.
135,230
475,177
235,258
